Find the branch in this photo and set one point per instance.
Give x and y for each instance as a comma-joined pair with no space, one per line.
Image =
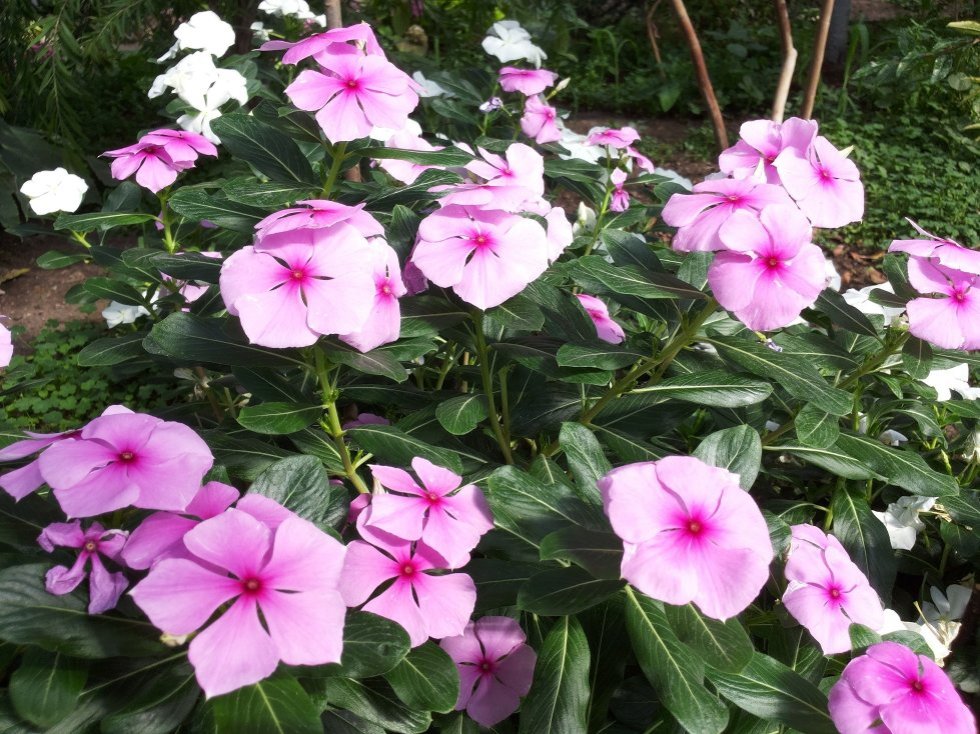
652,34
819,46
789,60
704,81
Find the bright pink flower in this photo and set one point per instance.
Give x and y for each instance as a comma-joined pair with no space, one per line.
690,534
182,146
761,142
641,160
521,166
620,197
290,575
161,535
624,137
317,214
383,324
495,668
607,329
126,459
6,346
540,121
485,256
293,287
560,233
366,419
526,81
357,94
158,157
355,39
771,270
406,171
946,251
701,214
826,185
892,690
448,518
104,588
952,320
827,592
424,604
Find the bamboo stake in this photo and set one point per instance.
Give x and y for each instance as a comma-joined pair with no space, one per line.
819,46
335,20
652,35
704,81
789,60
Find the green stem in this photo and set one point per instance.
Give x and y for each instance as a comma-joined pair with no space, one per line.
80,238
603,208
335,165
168,238
332,425
484,356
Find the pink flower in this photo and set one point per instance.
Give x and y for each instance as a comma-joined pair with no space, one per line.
521,166
485,256
126,459
826,185
448,518
944,250
690,534
641,160
761,142
6,346
356,39
771,271
291,288
907,693
182,146
425,605
406,171
952,320
289,574
560,233
624,137
539,121
383,324
104,588
161,535
607,329
357,94
495,668
826,591
700,215
158,157
366,419
317,214
526,81
620,197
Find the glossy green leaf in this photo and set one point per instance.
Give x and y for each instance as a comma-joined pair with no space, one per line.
99,220
586,460
844,315
393,446
462,414
269,150
301,484
156,705
277,705
278,418
559,696
816,428
739,450
45,687
192,339
519,313
596,356
598,552
725,645
865,538
426,679
562,591
903,468
111,350
917,357
831,458
375,362
373,701
199,204
54,260
713,387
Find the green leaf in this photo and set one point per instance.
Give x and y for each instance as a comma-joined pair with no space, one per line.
449,157
243,454
598,552
519,313
739,450
336,721
111,350
831,458
46,686
198,204
725,644
301,484
673,669
497,581
246,190
270,151
277,705
426,679
816,428
462,414
844,315
563,591
713,387
54,260
99,220
629,248
189,339
586,460
771,691
158,705
394,446
917,357
559,697
114,290
188,266
278,418
865,538
596,356
375,362
373,645
905,469
593,271
374,701
862,637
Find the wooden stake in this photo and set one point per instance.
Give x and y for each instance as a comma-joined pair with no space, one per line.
819,46
704,81
335,20
789,60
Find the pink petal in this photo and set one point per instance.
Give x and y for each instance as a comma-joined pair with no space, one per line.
398,605
276,318
28,446
342,119
212,499
104,588
491,702
498,636
179,596
154,539
395,479
850,713
516,671
652,567
303,558
935,320
306,628
69,462
636,503
365,569
729,579
65,534
62,580
436,478
267,511
400,516
312,90
104,490
446,603
247,272
234,540
156,174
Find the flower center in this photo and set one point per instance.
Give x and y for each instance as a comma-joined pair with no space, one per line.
772,262
297,274
90,546
151,149
835,593
959,296
408,569
251,585
127,456
481,240
485,666
916,685
734,198
824,173
694,527
352,84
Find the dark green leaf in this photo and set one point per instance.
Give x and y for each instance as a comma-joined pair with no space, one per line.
462,414
394,446
188,339
188,266
917,357
277,705
739,450
111,350
278,418
375,362
114,290
865,538
373,645
726,645
426,679
844,315
831,458
198,205
53,260
905,469
561,591
270,151
586,460
99,220
816,428
246,190
46,686
451,156
519,313
158,705
713,387
600,553
497,582
629,248
301,484
559,697
373,701
597,356
594,272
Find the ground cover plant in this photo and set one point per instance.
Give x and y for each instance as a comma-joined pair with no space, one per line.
452,461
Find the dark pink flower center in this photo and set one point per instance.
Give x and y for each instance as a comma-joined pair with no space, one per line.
408,569
824,173
916,685
126,456
959,295
151,149
694,527
549,114
433,499
298,274
486,666
90,546
773,262
353,84
251,585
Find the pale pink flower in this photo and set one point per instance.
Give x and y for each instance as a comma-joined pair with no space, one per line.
485,256
317,214
126,459
104,588
761,141
892,690
699,215
623,137
540,121
620,197
825,185
521,166
945,251
383,323
495,668
690,534
355,39
951,320
426,605
182,146
771,270
640,160
406,171
6,346
606,328
357,94
292,287
289,575
448,518
526,81
560,232
158,157
827,592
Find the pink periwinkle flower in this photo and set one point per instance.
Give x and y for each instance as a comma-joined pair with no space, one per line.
318,214
511,184
540,121
495,666
943,250
6,346
354,39
892,690
406,171
827,592
123,459
383,324
159,156
104,587
622,137
700,215
526,81
771,270
560,232
825,185
620,197
290,288
485,256
606,328
289,575
425,604
161,535
448,518
357,94
761,141
641,161
366,419
690,534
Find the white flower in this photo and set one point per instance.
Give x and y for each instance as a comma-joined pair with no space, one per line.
259,30
382,134
938,646
674,176
189,77
205,31
287,8
585,221
955,378
577,146
509,42
861,300
54,191
120,313
901,520
229,85
429,87
832,278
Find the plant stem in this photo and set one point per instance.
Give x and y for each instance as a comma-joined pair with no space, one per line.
338,160
332,424
484,355
79,237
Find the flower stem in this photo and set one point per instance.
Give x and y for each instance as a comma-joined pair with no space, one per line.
80,238
168,237
484,355
332,424
338,160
